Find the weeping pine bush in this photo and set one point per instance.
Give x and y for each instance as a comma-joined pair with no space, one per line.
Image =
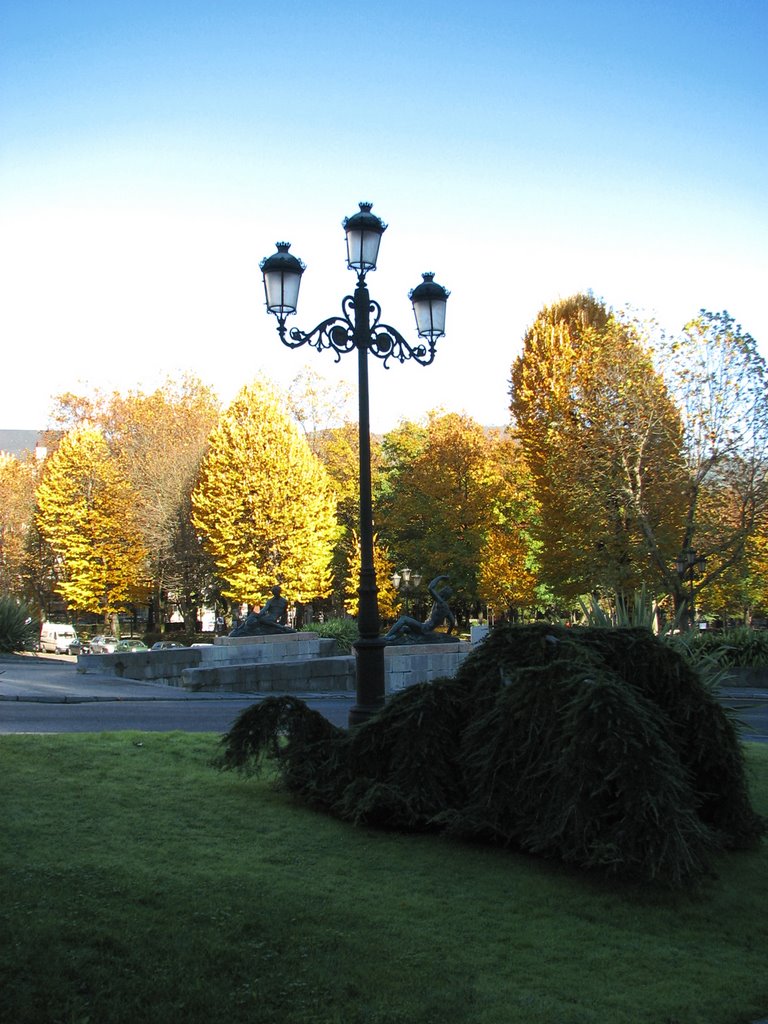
599,747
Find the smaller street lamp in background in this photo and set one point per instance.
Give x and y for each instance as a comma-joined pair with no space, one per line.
406,581
689,565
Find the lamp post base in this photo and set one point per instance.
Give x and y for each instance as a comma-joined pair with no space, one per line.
369,669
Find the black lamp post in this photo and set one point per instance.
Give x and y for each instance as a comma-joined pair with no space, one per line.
359,329
688,563
406,580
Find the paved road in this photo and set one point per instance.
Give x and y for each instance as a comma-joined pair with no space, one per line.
45,693
751,710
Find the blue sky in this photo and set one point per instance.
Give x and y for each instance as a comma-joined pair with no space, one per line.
152,153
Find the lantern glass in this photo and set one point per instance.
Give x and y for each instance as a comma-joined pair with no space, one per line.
364,231
282,291
430,317
429,306
282,277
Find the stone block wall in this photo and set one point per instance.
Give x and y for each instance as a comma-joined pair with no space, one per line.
288,663
168,666
317,675
421,663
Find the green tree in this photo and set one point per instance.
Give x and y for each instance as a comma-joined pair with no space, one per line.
263,502
447,484
86,512
720,383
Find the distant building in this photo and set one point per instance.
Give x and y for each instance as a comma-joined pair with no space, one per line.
17,442
26,442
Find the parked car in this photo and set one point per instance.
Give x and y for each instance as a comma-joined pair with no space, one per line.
165,645
80,647
103,644
56,637
129,646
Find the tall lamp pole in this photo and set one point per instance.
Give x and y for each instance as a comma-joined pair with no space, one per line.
359,329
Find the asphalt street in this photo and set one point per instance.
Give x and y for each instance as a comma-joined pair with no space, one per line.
45,694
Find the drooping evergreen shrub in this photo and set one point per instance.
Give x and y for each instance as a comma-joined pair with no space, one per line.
589,776
599,747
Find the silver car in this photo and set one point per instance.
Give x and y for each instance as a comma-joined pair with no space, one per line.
103,645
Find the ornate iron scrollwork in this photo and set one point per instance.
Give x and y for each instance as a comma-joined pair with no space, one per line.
338,334
335,333
386,343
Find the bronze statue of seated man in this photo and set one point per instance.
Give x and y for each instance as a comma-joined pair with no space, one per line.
271,619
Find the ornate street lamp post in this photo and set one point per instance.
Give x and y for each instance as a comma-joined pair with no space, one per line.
359,329
688,563
406,580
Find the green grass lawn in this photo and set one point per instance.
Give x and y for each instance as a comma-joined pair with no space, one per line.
139,885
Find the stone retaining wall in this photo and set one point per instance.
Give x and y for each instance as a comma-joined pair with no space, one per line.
421,663
317,675
168,666
286,663
404,665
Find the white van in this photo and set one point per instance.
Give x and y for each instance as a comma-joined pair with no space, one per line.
55,637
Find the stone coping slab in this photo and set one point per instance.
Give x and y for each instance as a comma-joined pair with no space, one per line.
454,647
271,638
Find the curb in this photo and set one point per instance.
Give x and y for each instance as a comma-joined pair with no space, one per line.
68,699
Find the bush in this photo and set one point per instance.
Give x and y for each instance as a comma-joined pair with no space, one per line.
740,647
343,631
600,747
19,631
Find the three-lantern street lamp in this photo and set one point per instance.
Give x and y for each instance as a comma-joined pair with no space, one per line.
689,563
359,328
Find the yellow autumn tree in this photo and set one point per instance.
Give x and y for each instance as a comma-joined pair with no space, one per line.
17,502
159,440
507,573
384,568
263,502
603,443
86,512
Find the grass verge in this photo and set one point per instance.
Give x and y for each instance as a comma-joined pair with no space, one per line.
137,884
